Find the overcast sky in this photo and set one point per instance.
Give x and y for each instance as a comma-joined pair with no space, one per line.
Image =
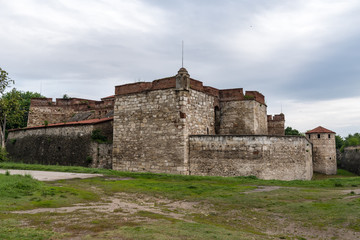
302,55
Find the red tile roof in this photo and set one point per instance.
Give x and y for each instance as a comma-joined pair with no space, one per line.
84,122
320,129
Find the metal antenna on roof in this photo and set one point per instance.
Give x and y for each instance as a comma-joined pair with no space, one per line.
182,54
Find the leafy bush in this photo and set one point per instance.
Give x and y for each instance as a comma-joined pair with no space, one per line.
97,136
3,155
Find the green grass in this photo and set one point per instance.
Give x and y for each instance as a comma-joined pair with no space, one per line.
222,207
342,179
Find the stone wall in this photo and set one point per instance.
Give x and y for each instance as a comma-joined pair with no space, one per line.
69,145
62,110
276,124
350,159
266,157
150,130
324,152
244,117
200,112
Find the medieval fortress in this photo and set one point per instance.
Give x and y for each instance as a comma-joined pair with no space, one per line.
172,125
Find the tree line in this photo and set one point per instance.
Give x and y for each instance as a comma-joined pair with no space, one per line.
14,106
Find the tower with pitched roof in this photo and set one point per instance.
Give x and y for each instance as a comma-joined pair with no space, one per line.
324,150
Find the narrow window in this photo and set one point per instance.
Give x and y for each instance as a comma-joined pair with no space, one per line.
217,120
318,135
329,136
207,131
309,136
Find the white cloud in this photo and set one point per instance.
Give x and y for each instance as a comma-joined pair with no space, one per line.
292,34
339,115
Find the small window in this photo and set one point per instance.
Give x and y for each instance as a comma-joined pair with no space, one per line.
207,131
318,135
329,136
309,136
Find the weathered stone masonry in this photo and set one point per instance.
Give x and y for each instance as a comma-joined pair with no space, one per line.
154,121
171,125
266,157
63,144
67,110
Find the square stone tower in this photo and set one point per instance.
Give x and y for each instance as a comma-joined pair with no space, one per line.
324,150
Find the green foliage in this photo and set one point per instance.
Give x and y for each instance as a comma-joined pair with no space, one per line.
249,97
350,140
97,136
3,155
16,186
65,96
89,160
339,141
293,132
46,123
5,81
16,104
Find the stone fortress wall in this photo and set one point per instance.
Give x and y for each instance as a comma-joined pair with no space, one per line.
266,157
172,125
68,144
350,159
63,110
177,125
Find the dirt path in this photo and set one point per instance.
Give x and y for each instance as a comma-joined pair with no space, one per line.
50,176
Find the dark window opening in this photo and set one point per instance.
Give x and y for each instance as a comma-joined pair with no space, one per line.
309,136
217,119
207,131
329,136
318,135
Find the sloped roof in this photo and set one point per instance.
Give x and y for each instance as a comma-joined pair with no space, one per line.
320,129
84,122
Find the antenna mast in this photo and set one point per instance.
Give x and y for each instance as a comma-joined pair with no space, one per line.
182,54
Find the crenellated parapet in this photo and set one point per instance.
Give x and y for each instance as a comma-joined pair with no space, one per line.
276,124
46,111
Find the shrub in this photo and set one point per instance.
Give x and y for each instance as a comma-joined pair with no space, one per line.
3,155
97,136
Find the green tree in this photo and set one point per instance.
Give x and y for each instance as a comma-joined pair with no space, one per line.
351,140
5,81
291,131
19,103
339,141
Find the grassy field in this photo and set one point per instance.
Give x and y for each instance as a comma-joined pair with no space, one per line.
124,205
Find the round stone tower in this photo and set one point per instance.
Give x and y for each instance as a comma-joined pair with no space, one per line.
324,150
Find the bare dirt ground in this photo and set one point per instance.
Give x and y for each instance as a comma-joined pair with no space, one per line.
49,176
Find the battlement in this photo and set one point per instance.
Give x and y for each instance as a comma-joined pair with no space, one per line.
63,110
76,103
236,94
277,117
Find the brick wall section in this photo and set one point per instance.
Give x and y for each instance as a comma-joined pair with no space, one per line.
276,124
266,157
150,131
350,159
244,117
69,145
324,152
44,109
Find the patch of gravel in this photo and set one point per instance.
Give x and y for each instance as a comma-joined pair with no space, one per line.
49,175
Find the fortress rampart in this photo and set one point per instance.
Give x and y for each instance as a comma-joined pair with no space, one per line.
276,124
62,110
173,125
